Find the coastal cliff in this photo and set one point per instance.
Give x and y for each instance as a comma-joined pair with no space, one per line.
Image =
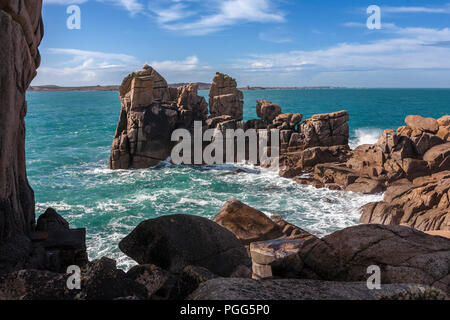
21,31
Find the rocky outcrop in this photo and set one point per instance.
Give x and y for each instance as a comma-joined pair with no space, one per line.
100,280
250,225
409,152
292,289
150,112
174,242
21,31
225,99
422,204
246,223
267,110
273,258
404,255
325,130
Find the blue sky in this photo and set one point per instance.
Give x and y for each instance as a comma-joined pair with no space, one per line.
259,42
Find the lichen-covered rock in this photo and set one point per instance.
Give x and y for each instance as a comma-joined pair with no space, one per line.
176,241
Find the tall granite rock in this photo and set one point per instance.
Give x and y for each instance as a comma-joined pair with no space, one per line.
21,31
150,112
225,99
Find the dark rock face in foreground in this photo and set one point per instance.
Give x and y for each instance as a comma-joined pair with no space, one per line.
174,242
246,289
403,254
21,31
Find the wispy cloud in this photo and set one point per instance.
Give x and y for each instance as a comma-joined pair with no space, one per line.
132,6
81,67
215,15
410,48
445,9
64,2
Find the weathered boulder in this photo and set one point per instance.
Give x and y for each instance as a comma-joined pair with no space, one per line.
150,276
291,231
404,255
438,157
50,220
225,98
35,285
366,186
100,280
422,124
444,121
103,281
21,31
247,224
191,106
273,255
267,110
292,289
329,129
422,204
287,121
295,163
176,241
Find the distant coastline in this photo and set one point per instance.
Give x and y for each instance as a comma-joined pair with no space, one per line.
202,86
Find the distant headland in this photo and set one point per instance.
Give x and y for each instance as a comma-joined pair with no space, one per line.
201,86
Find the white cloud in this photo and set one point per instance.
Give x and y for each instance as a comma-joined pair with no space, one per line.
215,15
410,49
64,2
189,64
132,6
445,9
81,67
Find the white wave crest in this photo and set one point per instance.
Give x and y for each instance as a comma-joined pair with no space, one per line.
365,136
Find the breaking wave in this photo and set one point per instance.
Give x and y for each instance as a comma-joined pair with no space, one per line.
362,136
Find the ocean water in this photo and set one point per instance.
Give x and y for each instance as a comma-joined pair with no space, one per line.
69,137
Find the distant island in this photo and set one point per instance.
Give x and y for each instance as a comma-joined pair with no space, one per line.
201,86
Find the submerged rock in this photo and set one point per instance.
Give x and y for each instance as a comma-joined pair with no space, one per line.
176,241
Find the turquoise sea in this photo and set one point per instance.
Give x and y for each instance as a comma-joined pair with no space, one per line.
69,136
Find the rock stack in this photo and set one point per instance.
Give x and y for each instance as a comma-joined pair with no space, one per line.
150,112
225,99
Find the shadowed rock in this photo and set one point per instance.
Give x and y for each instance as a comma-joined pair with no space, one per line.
21,31
275,290
176,241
